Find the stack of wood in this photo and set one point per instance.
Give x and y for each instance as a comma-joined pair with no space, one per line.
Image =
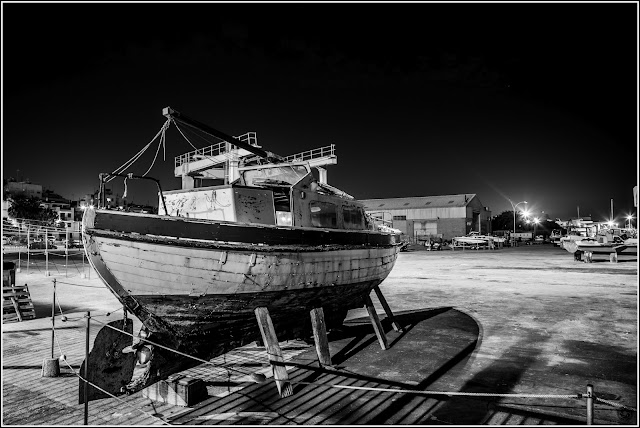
16,300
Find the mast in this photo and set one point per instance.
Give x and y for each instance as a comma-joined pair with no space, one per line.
611,210
185,120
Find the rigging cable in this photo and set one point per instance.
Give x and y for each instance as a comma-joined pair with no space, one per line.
131,161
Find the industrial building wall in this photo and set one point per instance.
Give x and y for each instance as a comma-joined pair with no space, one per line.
447,227
452,227
477,213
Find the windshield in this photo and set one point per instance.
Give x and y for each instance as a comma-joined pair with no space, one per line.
289,174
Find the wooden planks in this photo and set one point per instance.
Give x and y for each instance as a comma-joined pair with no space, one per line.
16,304
153,268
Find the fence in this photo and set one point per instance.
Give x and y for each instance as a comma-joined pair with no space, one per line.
37,248
589,394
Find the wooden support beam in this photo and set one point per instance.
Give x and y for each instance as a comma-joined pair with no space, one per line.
16,308
375,321
387,309
273,350
320,336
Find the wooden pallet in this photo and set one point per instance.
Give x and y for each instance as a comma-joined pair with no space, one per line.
17,304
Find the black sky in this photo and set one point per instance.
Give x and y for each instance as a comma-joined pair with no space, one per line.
533,102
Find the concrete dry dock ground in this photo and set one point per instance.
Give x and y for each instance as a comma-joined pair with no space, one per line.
525,320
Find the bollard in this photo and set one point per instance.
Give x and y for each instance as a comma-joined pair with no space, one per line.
50,367
589,404
86,372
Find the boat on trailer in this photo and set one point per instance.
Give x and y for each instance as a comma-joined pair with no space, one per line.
271,237
476,239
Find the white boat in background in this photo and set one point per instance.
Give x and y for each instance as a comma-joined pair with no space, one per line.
475,238
577,230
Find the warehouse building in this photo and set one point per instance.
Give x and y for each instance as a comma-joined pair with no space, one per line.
445,216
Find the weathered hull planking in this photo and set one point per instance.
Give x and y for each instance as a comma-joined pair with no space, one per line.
191,290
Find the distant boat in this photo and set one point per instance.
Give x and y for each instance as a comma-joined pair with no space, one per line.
475,238
617,246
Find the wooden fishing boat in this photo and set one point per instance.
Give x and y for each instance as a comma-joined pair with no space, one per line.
275,237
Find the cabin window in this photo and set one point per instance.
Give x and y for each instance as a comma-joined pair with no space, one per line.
323,214
280,175
399,217
283,218
352,217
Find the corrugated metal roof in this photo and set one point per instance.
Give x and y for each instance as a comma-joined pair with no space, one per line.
418,202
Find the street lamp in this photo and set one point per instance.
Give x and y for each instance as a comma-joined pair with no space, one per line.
630,217
514,217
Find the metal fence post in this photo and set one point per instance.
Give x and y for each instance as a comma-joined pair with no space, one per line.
66,252
86,372
83,275
589,404
28,250
53,318
46,252
19,246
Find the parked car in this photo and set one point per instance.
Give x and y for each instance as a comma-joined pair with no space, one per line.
72,243
41,245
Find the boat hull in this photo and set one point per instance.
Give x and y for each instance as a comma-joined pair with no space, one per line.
197,292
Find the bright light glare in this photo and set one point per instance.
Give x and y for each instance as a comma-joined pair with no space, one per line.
525,213
629,217
536,220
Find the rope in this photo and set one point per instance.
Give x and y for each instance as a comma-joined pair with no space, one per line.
77,285
108,393
94,385
160,143
610,403
414,391
169,349
226,155
135,157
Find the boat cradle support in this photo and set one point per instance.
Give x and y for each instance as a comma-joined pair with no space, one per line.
318,325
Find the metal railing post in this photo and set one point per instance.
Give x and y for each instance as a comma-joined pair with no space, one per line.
589,404
28,250
53,318
19,252
66,252
46,252
86,372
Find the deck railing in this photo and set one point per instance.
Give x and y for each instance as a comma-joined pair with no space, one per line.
312,154
214,149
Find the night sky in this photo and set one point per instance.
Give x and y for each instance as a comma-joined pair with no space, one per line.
533,102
